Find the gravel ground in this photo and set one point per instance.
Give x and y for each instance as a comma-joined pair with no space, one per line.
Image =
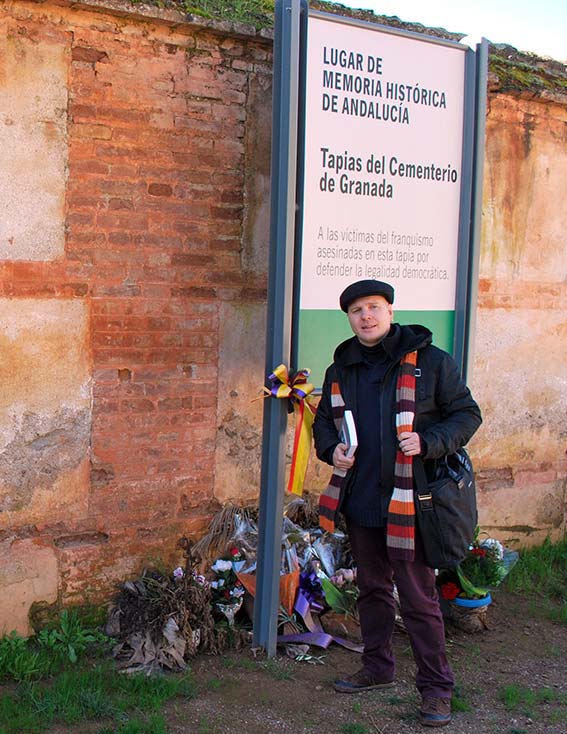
521,648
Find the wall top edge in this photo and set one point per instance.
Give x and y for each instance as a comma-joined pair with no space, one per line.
170,16
512,72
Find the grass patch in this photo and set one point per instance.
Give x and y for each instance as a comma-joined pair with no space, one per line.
239,663
354,728
89,693
154,724
277,670
542,572
527,700
395,700
459,700
215,684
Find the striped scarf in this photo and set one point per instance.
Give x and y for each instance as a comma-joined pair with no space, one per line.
329,500
401,513
400,532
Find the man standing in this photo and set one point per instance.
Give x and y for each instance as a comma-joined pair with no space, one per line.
386,374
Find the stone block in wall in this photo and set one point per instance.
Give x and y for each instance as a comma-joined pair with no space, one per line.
524,514
239,437
45,411
523,231
28,574
256,225
517,381
33,141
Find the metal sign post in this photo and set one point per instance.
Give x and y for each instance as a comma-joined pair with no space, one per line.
280,295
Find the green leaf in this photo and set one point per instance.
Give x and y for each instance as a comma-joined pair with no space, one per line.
338,600
470,589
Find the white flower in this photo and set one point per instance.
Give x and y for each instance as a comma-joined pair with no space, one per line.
178,573
237,591
492,543
220,566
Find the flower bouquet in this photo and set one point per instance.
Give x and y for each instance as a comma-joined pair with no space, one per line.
228,591
468,586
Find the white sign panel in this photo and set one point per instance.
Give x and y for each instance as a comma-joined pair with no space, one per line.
383,147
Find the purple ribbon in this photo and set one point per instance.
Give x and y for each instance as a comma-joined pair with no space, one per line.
316,635
310,585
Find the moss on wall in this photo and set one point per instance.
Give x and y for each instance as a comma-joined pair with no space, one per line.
512,71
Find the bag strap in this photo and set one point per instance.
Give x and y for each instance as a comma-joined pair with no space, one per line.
419,475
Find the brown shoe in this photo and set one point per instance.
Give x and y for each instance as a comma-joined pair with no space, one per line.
435,711
362,680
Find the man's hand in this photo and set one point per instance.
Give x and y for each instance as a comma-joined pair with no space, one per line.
410,443
340,459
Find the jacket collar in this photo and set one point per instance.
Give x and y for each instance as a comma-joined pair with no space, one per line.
399,341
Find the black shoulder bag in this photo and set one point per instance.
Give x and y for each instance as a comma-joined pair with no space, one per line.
445,509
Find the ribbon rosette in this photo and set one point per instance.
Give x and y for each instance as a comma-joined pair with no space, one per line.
295,387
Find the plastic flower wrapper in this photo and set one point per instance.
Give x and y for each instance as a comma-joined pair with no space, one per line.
229,610
237,561
245,537
330,549
295,544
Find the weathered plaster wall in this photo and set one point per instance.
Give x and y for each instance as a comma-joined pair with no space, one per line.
520,374
45,424
45,410
33,141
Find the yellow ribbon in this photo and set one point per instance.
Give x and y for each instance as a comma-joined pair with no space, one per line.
295,387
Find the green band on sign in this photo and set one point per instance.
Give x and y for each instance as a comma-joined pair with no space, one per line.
321,332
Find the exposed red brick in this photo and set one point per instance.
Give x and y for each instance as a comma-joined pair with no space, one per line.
157,189
90,55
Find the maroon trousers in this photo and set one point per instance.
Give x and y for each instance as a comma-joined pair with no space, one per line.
419,604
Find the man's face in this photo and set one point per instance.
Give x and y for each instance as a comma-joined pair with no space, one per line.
370,318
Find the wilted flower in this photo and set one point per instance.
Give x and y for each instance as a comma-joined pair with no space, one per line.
201,580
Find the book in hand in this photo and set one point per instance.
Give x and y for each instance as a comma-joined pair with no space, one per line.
348,433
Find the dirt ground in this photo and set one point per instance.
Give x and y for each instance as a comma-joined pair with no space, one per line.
242,694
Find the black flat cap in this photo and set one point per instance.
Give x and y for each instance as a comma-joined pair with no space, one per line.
365,288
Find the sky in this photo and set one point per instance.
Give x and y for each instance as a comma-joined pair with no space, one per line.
539,26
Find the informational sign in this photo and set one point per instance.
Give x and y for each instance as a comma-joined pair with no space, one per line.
383,146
